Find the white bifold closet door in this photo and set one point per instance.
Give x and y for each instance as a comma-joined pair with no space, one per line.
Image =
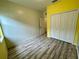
63,26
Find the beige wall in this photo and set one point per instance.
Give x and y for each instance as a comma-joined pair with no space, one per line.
19,23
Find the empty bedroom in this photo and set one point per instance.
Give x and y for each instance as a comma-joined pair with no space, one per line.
39,29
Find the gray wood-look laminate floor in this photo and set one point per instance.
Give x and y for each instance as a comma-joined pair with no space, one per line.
43,48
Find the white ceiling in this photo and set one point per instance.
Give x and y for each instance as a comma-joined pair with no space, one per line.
36,4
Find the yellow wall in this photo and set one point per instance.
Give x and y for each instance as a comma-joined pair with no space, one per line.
59,7
3,49
77,33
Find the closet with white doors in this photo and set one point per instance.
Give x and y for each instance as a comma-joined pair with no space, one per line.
63,26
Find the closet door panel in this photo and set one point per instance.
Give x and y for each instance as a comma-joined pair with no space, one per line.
63,31
72,18
55,25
